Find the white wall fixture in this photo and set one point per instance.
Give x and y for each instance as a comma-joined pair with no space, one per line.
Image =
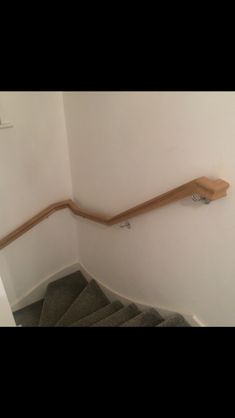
4,125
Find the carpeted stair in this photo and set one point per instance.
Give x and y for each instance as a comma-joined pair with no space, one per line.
174,321
98,315
64,290
74,302
30,315
119,317
149,318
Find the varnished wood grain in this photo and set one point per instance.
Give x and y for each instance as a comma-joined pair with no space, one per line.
210,189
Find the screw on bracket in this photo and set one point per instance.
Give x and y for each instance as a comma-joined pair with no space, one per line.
196,198
125,225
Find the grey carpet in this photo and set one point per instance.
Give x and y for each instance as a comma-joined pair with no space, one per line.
148,318
30,315
59,296
90,300
98,315
176,320
119,317
72,301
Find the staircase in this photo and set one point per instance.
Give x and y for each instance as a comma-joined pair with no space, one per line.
74,302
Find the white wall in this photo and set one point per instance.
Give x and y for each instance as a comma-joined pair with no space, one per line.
129,147
34,172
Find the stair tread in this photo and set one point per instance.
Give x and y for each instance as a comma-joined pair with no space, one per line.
90,300
59,296
118,317
175,320
148,318
98,315
30,315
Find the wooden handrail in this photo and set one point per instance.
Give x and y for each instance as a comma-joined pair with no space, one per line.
206,188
